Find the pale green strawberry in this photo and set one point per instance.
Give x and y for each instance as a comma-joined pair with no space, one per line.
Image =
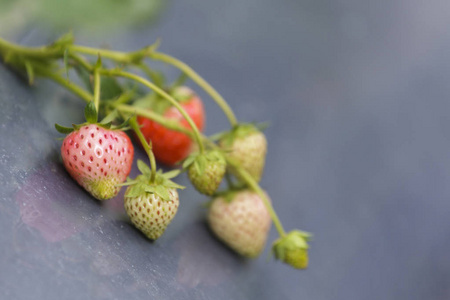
206,171
241,220
247,146
152,206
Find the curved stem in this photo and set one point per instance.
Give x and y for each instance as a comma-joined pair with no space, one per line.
147,147
165,96
114,55
199,80
86,96
97,82
34,52
81,61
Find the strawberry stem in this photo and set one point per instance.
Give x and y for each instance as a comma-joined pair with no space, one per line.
147,147
200,81
86,96
97,82
165,96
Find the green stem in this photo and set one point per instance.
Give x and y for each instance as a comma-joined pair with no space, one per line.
80,60
173,125
254,186
97,82
170,124
165,96
199,80
114,55
31,52
86,96
147,147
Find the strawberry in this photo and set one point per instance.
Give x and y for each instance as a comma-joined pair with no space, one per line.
292,249
241,220
170,147
206,171
97,157
248,147
152,206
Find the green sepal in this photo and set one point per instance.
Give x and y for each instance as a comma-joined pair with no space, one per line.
143,168
66,61
124,125
162,192
98,63
110,117
189,160
77,126
141,185
239,131
292,248
63,41
63,130
90,113
171,174
30,72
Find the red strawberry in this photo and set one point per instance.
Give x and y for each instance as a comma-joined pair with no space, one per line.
152,206
170,147
98,159
241,220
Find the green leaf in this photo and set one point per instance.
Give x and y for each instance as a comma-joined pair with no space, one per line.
62,129
66,61
179,81
171,174
143,167
90,113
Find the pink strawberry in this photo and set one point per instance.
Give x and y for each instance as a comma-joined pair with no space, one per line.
241,220
96,156
98,159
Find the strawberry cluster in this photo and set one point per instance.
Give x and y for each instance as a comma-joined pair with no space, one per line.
166,122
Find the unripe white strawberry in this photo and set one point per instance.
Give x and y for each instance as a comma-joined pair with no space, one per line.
247,146
241,220
151,206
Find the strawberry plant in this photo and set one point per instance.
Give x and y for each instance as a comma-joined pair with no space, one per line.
167,122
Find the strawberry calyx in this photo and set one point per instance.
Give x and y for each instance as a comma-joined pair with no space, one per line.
91,116
206,170
199,161
241,130
142,183
292,249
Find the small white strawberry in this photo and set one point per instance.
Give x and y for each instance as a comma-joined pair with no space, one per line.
152,206
241,220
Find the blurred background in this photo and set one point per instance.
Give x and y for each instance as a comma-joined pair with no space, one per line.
357,97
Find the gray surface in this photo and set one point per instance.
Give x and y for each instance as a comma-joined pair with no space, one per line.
357,94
